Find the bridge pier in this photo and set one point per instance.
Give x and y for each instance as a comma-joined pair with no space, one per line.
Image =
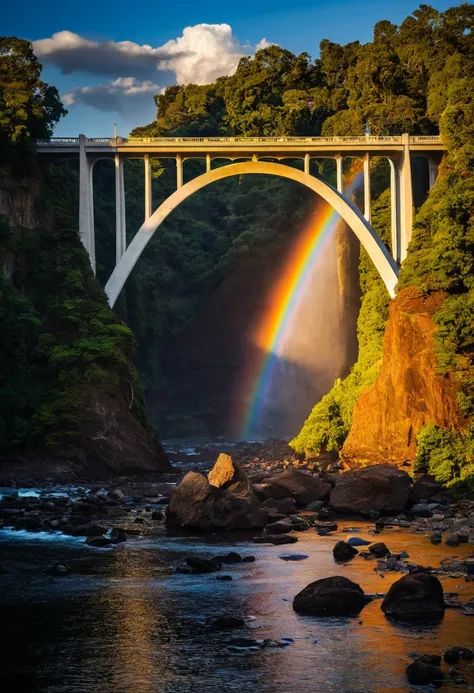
339,178
86,202
148,194
433,171
406,198
179,171
395,210
120,221
367,196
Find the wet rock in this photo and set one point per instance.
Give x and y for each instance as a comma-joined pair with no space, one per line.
224,578
358,541
60,569
323,528
380,549
226,622
315,505
280,527
230,558
343,551
452,656
333,596
157,515
203,565
81,507
422,510
88,531
436,538
382,488
286,506
425,488
196,503
425,670
465,653
118,536
416,596
244,644
293,557
31,524
452,540
305,488
99,542
276,539
271,491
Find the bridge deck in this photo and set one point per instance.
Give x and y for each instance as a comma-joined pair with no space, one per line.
245,147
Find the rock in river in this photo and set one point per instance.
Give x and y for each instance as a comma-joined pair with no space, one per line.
197,503
343,551
304,488
333,596
425,670
417,596
382,488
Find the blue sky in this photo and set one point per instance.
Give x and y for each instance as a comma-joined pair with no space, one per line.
106,80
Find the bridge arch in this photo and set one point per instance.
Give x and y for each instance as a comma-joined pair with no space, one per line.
347,210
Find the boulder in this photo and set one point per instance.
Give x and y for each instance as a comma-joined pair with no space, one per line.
196,503
226,622
421,510
343,551
88,531
425,487
276,539
280,527
285,506
100,542
425,670
380,549
357,541
452,540
200,564
333,596
436,538
416,596
271,491
382,488
305,488
228,475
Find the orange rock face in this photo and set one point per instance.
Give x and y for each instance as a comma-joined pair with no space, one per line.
408,394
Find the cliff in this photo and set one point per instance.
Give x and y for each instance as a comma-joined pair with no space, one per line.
68,387
408,393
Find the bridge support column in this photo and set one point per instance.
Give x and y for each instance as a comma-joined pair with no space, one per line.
433,172
179,171
367,199
208,163
148,196
86,202
120,221
306,163
340,181
395,209
406,198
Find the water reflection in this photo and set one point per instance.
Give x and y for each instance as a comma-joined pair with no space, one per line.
125,621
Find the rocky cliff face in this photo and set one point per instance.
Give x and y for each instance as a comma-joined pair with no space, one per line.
112,439
408,394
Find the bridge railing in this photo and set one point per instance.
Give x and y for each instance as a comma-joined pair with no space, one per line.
237,141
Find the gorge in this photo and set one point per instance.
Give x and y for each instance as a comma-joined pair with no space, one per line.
184,388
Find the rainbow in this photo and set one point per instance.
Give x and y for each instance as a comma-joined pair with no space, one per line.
283,303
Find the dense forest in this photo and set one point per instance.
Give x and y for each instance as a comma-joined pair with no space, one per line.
411,78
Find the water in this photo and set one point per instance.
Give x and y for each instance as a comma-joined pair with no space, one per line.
125,621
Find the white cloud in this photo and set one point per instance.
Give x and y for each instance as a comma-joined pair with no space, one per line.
203,53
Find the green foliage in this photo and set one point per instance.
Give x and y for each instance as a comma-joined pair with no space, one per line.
448,456
59,340
29,108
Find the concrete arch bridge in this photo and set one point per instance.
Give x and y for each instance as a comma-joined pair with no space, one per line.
255,151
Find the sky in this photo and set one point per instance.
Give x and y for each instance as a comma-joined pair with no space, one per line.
108,60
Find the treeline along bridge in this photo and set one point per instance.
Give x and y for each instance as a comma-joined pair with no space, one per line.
256,155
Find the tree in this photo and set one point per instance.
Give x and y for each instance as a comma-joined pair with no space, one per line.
29,108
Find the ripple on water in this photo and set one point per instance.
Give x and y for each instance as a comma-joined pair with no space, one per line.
125,621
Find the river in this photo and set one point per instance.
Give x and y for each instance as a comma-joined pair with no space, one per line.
124,621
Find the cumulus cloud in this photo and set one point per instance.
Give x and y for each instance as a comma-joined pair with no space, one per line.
203,53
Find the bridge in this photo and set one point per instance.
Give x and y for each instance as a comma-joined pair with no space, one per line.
256,155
